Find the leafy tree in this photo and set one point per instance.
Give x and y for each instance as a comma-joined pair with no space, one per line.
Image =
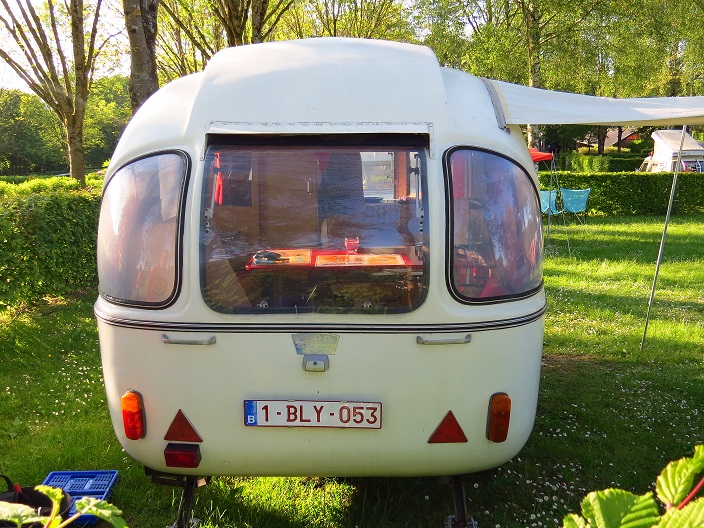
443,31
509,39
371,19
193,31
30,135
184,44
17,138
107,115
35,50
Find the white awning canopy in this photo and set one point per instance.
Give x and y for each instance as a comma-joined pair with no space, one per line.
521,105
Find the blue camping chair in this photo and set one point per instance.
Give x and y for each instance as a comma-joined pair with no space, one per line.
548,202
575,201
548,206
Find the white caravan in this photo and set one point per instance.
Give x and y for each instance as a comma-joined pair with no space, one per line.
665,151
324,257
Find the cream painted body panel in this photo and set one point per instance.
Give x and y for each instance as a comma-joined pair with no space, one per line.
416,384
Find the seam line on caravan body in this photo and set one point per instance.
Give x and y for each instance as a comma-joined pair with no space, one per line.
327,327
318,127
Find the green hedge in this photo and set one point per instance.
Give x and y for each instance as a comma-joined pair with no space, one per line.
19,186
579,162
48,243
633,193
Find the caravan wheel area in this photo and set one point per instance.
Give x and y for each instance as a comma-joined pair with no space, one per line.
321,257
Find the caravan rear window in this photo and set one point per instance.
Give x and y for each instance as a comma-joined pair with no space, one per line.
495,237
314,224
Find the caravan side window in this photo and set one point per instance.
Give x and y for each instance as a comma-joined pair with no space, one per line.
138,236
495,237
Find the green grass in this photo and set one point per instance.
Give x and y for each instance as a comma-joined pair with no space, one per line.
609,414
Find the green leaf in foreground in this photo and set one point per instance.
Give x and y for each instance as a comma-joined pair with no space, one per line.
19,514
675,481
101,509
614,508
55,494
691,516
573,520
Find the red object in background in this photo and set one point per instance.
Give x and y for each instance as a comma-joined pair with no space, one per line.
539,156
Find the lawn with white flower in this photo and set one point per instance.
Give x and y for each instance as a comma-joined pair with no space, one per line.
609,414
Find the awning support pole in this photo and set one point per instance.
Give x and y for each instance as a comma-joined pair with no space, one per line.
664,235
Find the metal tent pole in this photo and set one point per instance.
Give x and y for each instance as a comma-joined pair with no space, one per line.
555,184
664,234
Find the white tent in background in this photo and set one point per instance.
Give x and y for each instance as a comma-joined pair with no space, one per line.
667,148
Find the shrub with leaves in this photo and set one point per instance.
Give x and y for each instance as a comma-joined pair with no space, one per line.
22,515
615,508
49,240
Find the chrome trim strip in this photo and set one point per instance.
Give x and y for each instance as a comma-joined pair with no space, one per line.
298,327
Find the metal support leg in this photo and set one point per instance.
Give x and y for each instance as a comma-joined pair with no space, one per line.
184,517
459,519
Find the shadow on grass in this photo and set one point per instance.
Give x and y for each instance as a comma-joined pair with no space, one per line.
367,503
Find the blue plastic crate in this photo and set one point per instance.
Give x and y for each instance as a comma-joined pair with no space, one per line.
78,484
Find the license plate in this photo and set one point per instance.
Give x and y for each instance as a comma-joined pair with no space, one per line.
306,413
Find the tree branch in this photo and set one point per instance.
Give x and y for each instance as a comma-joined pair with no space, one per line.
199,41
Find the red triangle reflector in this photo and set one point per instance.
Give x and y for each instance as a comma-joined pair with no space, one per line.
181,430
449,431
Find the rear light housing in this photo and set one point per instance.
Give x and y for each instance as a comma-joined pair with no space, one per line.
499,417
182,455
133,417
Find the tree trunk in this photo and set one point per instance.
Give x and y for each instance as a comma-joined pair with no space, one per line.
531,21
140,20
259,9
233,15
600,139
76,155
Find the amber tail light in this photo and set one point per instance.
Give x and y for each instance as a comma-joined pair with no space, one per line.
133,415
499,417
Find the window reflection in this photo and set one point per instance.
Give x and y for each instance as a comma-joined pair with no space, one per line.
137,235
497,239
314,229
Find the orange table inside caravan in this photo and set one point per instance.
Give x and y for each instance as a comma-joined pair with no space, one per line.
323,258
288,274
